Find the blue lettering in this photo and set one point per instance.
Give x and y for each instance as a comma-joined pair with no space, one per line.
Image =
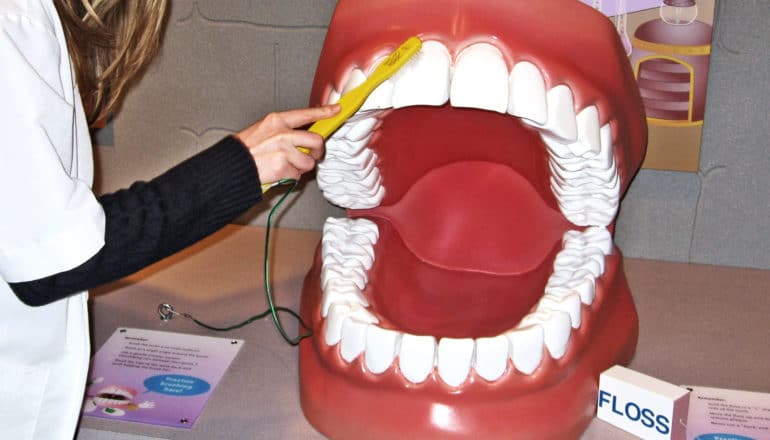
636,408
635,413
603,398
647,418
614,406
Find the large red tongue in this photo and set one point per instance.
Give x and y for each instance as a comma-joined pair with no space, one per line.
414,296
475,216
465,253
467,231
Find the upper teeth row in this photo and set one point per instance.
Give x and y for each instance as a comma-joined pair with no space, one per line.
348,254
584,174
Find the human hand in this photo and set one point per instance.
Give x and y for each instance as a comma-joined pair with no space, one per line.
273,142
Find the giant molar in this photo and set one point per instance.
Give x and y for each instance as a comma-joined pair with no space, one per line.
474,290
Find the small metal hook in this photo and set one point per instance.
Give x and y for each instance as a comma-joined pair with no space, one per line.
166,311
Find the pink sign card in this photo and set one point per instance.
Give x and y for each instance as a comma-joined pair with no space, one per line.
155,377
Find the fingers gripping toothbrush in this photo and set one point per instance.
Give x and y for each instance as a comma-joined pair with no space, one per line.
351,101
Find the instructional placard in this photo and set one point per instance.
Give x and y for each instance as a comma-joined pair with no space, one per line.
719,414
155,377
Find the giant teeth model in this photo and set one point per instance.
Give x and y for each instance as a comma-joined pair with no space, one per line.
474,289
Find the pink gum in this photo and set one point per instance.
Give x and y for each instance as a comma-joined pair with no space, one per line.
557,402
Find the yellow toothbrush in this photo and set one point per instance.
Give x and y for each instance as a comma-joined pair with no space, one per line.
351,101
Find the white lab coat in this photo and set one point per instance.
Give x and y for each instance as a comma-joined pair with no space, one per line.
50,221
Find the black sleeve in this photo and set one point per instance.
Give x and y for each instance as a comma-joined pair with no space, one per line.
152,220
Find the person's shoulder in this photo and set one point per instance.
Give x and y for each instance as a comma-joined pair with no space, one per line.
30,23
34,14
32,41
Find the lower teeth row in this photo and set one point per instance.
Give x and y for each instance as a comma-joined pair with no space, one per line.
348,254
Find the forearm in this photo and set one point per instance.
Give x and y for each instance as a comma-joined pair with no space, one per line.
152,220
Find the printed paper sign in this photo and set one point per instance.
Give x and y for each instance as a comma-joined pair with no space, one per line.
719,414
154,377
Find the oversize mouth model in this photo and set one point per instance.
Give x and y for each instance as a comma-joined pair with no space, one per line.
474,289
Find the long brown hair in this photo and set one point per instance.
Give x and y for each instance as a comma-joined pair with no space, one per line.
109,43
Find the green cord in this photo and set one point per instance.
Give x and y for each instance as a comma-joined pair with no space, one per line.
244,323
166,311
268,292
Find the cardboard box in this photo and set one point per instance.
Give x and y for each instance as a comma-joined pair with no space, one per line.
642,405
